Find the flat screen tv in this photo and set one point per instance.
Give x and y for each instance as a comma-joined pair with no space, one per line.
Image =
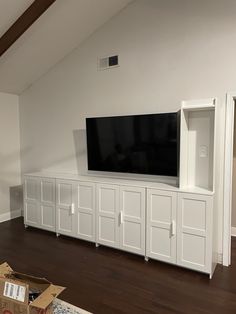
141,144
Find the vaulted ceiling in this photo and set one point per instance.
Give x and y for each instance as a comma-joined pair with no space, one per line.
60,29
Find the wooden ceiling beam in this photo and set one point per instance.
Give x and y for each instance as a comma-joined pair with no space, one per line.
34,11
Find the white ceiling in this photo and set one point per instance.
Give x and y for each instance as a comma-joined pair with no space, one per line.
55,34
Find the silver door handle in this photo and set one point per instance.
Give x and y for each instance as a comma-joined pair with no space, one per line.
173,228
121,218
72,209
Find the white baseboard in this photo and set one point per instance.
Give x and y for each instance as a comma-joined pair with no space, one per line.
10,215
233,231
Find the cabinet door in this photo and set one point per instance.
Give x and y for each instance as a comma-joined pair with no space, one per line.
195,231
107,231
132,219
31,201
47,204
85,211
161,225
65,222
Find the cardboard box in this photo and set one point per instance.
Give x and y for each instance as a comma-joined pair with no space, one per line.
14,293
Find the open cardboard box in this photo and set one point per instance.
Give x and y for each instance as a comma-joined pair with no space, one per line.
14,293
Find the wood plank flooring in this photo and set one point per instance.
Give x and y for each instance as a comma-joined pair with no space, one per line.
103,280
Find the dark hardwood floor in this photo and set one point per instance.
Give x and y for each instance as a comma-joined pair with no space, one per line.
102,280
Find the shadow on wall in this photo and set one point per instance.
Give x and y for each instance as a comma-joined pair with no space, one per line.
79,156
80,150
16,200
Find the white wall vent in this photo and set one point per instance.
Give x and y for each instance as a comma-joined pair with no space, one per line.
105,63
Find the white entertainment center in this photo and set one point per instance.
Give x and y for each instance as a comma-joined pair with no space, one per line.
162,221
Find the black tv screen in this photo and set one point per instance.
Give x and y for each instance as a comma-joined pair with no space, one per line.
142,144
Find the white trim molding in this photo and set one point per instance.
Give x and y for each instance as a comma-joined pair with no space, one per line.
233,232
228,176
10,215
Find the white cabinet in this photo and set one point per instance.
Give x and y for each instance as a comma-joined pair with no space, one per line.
132,219
76,209
194,237
167,225
179,229
107,218
161,225
85,211
66,198
31,202
39,203
121,217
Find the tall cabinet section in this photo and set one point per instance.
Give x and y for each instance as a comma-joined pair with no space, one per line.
197,217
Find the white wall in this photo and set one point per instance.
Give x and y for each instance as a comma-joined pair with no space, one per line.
10,172
170,50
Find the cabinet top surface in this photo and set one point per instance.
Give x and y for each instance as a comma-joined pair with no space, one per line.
102,179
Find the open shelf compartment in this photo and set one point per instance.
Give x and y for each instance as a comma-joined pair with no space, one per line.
197,144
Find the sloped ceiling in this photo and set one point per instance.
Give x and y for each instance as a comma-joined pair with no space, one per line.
55,34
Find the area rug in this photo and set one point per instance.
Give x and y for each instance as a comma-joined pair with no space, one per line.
61,307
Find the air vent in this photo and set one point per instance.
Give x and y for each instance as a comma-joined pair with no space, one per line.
108,62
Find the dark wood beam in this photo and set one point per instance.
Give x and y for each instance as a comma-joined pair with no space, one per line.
34,11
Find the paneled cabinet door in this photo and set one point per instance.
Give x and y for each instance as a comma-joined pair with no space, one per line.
107,230
47,204
31,201
65,221
132,219
195,231
85,211
161,225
